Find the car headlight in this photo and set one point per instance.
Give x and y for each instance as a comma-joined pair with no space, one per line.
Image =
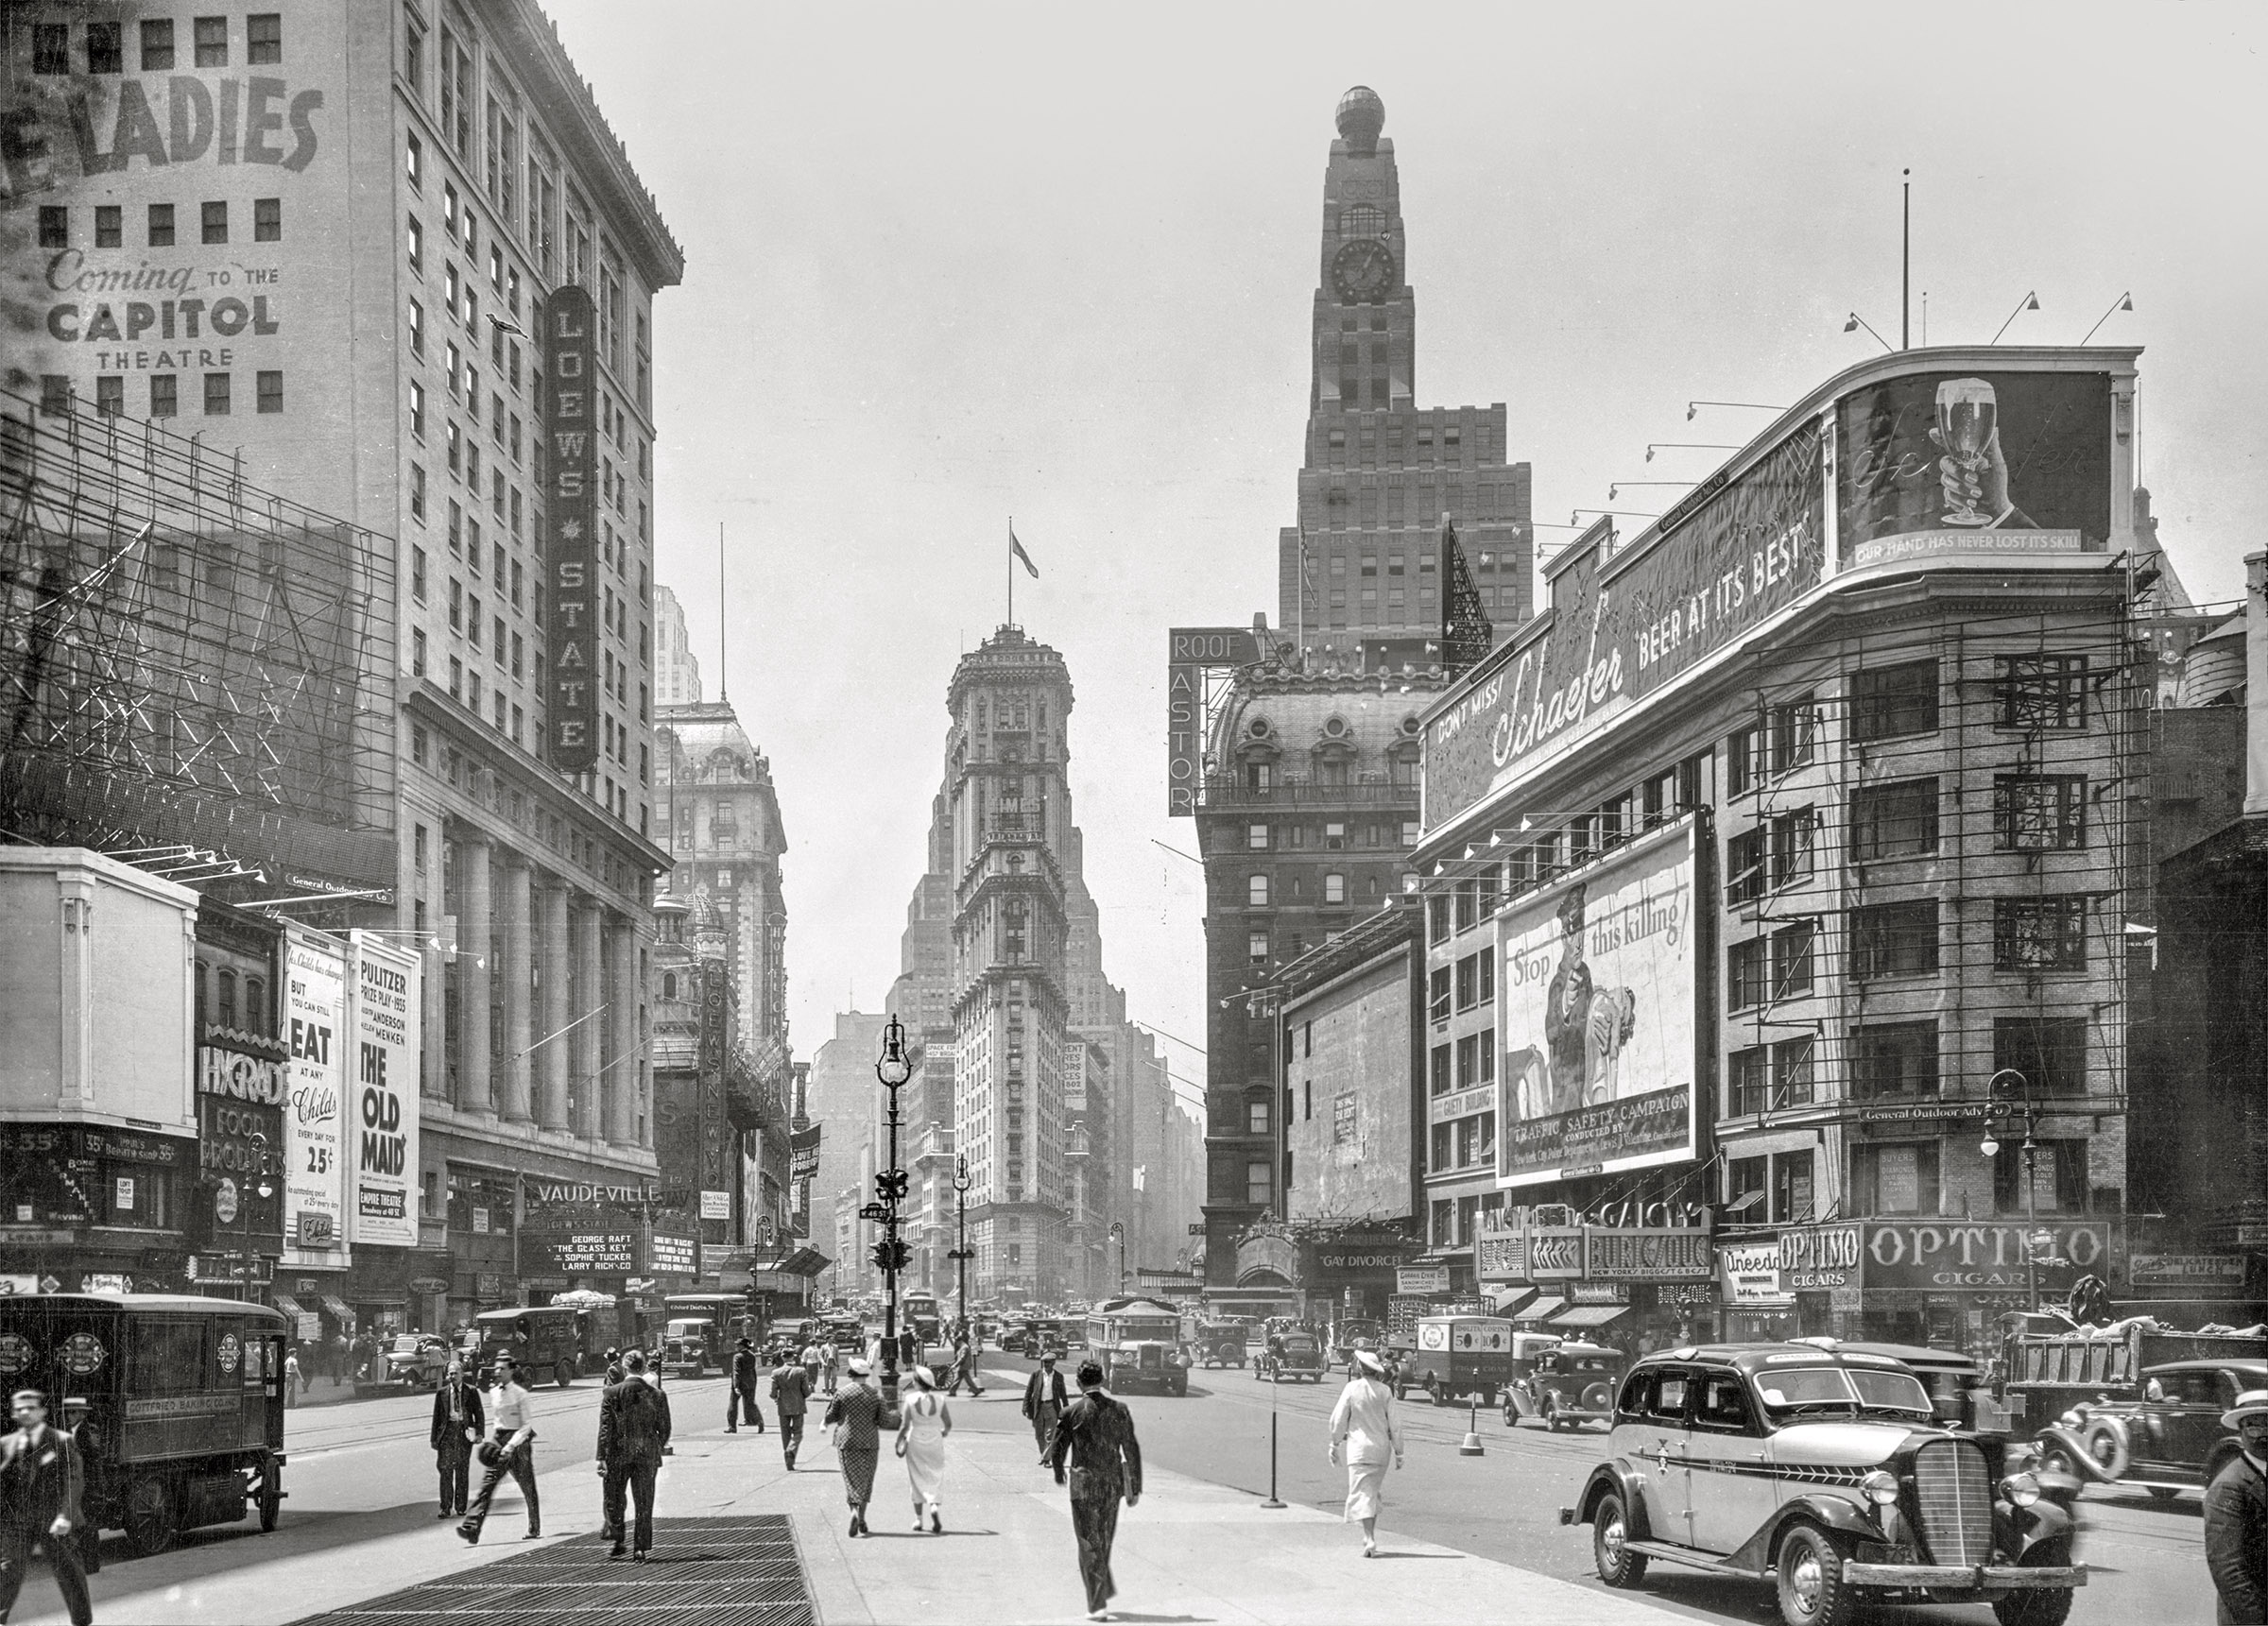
2022,1489
1880,1487
2072,1418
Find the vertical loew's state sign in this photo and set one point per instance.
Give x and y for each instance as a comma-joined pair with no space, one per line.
314,1177
571,702
383,1021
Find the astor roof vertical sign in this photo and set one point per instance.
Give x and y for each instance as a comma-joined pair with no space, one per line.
572,700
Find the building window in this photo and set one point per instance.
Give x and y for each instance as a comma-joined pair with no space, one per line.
1889,701
217,395
157,45
1895,1178
2039,933
1792,1072
1437,993
215,218
1745,867
1256,1117
264,36
2042,691
416,328
110,394
1255,891
160,226
2039,813
1792,959
1894,820
417,491
51,48
416,246
1747,1189
1794,837
1894,939
165,398
413,162
1441,1150
109,226
2058,1173
55,394
267,219
2049,1052
1335,887
55,226
1256,948
1893,1059
417,656
1439,1079
1436,918
271,391
1747,970
416,410
1409,832
1259,1188
1792,1188
1793,725
211,38
1748,1082
1256,838
105,48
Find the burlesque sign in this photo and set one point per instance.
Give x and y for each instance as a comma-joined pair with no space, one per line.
1712,570
570,515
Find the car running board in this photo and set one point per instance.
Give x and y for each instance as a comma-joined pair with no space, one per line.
1672,1553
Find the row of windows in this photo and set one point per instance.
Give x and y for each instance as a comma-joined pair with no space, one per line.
1337,835
108,223
103,45
1259,889
2031,813
2029,934
1468,1062
218,393
1905,1178
1899,1061
2041,692
1469,983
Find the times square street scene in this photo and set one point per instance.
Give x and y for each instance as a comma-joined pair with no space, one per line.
1704,1061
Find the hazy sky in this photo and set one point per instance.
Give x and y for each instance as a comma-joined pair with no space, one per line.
950,263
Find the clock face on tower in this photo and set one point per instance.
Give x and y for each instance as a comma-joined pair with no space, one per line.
1362,271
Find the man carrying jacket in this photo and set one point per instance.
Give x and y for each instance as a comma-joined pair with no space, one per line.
633,1430
790,1393
740,1398
41,1479
2236,1517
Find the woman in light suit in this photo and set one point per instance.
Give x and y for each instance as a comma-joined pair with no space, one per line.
1363,1425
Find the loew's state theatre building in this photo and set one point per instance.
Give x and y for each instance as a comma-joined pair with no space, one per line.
1780,870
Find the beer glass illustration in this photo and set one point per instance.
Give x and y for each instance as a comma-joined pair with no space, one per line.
1967,415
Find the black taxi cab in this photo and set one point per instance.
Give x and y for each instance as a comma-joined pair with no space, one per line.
1826,1474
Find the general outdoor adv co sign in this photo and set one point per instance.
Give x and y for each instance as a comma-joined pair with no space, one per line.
314,1125
571,517
384,1022
1598,990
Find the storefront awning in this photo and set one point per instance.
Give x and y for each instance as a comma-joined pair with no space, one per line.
804,1261
1590,1315
1507,1300
337,1309
287,1303
1542,1309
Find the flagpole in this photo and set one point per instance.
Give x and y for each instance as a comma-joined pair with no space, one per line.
1012,570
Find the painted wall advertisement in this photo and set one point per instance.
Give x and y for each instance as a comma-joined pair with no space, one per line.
1723,562
1940,463
385,1093
314,1147
1598,986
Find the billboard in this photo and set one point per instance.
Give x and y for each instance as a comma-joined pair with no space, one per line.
314,1148
1597,1002
1725,559
384,1020
1935,463
571,723
1196,656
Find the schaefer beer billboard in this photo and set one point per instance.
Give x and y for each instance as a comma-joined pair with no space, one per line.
1596,1010
384,1020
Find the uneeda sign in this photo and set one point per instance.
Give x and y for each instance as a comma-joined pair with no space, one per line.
571,718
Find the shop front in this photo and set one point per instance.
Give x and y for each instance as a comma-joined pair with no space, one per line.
1632,1286
1947,1282
92,1209
1351,1275
1802,1282
237,1223
2197,1290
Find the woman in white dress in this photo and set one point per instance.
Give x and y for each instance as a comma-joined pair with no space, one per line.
1362,1426
921,1443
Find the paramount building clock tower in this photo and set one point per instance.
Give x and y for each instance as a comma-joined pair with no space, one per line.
1379,472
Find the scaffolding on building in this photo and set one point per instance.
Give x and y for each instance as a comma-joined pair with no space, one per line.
188,661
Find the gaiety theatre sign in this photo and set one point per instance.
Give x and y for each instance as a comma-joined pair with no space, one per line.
1714,569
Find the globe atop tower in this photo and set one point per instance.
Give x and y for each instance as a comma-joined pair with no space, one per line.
1361,116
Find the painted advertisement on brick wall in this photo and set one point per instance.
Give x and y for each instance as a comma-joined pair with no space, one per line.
315,1119
1598,987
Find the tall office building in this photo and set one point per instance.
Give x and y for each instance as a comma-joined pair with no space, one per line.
677,668
1360,564
330,237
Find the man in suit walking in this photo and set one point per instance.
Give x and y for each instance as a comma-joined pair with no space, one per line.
41,1480
1043,1402
456,1425
633,1430
791,1394
1095,1444
740,1398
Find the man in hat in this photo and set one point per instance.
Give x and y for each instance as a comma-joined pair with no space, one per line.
41,1479
456,1424
791,1394
1044,1397
1567,1009
857,1413
633,1432
2236,1517
740,1397
509,1449
1095,1453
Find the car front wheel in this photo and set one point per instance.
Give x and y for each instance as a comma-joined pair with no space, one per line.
2036,1608
1610,1545
1811,1581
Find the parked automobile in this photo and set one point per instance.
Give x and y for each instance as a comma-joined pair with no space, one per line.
1221,1342
416,1360
1461,1355
1292,1353
2170,1441
1571,1385
1825,1474
183,1404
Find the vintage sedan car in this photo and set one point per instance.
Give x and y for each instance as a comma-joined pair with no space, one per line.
1290,1355
1221,1342
2170,1441
1571,1385
1826,1474
416,1360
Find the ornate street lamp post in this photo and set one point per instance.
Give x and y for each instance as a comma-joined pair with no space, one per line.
2005,1103
961,1255
889,1188
256,1179
1118,1235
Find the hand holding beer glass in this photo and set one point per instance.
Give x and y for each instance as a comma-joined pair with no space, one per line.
1972,471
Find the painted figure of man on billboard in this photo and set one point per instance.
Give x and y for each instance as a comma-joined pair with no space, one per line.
1567,1010
1607,1028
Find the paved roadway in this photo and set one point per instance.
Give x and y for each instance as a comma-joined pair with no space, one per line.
2145,1559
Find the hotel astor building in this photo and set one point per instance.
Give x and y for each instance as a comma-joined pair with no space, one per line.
1779,866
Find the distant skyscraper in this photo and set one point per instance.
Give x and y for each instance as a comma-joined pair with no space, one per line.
677,671
1379,472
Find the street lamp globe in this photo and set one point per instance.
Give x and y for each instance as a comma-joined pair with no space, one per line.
893,1069
1992,1148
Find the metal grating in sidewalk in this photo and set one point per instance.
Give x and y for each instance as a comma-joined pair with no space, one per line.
702,1572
